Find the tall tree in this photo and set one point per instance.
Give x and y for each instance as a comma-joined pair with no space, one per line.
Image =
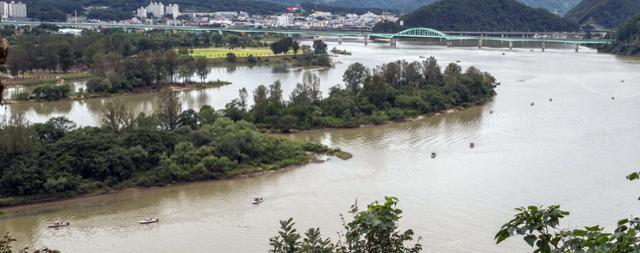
202,68
170,109
355,76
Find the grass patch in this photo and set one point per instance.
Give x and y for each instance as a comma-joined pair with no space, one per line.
218,53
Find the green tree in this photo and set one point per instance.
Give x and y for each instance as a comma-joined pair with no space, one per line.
65,57
372,230
170,108
202,68
116,117
540,228
171,64
231,57
319,47
355,76
187,69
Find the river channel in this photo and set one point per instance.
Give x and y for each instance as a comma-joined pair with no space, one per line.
574,150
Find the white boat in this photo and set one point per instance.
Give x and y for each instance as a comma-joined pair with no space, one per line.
149,220
257,201
57,224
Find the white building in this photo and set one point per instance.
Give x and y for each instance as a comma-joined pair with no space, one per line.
172,10
156,10
284,20
141,13
4,9
17,10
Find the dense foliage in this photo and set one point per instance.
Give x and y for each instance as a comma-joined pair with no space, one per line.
5,246
393,91
387,27
57,158
540,227
46,50
405,6
606,13
486,15
372,230
627,38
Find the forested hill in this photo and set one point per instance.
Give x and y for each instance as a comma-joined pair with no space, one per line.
486,15
627,38
606,13
405,6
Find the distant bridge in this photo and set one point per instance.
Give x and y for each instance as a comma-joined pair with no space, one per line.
435,34
426,33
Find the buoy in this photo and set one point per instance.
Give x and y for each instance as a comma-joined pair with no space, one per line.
433,155
472,145
551,100
532,103
613,98
490,112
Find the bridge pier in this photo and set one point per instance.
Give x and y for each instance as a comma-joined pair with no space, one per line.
366,39
543,46
340,40
449,43
394,42
510,45
480,43
577,47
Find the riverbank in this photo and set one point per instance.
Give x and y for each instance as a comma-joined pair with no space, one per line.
177,87
244,172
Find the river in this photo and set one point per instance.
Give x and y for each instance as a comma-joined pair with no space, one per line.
574,151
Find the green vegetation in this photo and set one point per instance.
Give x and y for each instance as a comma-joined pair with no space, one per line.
486,15
606,13
57,159
372,230
218,53
394,91
338,51
120,62
627,38
540,227
5,246
387,27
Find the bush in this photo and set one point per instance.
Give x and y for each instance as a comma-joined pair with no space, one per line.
252,60
379,118
23,95
231,57
51,92
98,85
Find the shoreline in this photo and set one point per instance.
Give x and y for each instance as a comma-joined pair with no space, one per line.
248,172
176,87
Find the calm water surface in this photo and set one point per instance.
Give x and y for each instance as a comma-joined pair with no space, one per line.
574,151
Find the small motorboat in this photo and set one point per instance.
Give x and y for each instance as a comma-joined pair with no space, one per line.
433,155
472,145
57,224
257,201
491,112
149,220
458,61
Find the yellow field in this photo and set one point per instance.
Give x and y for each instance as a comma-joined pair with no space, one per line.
222,52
